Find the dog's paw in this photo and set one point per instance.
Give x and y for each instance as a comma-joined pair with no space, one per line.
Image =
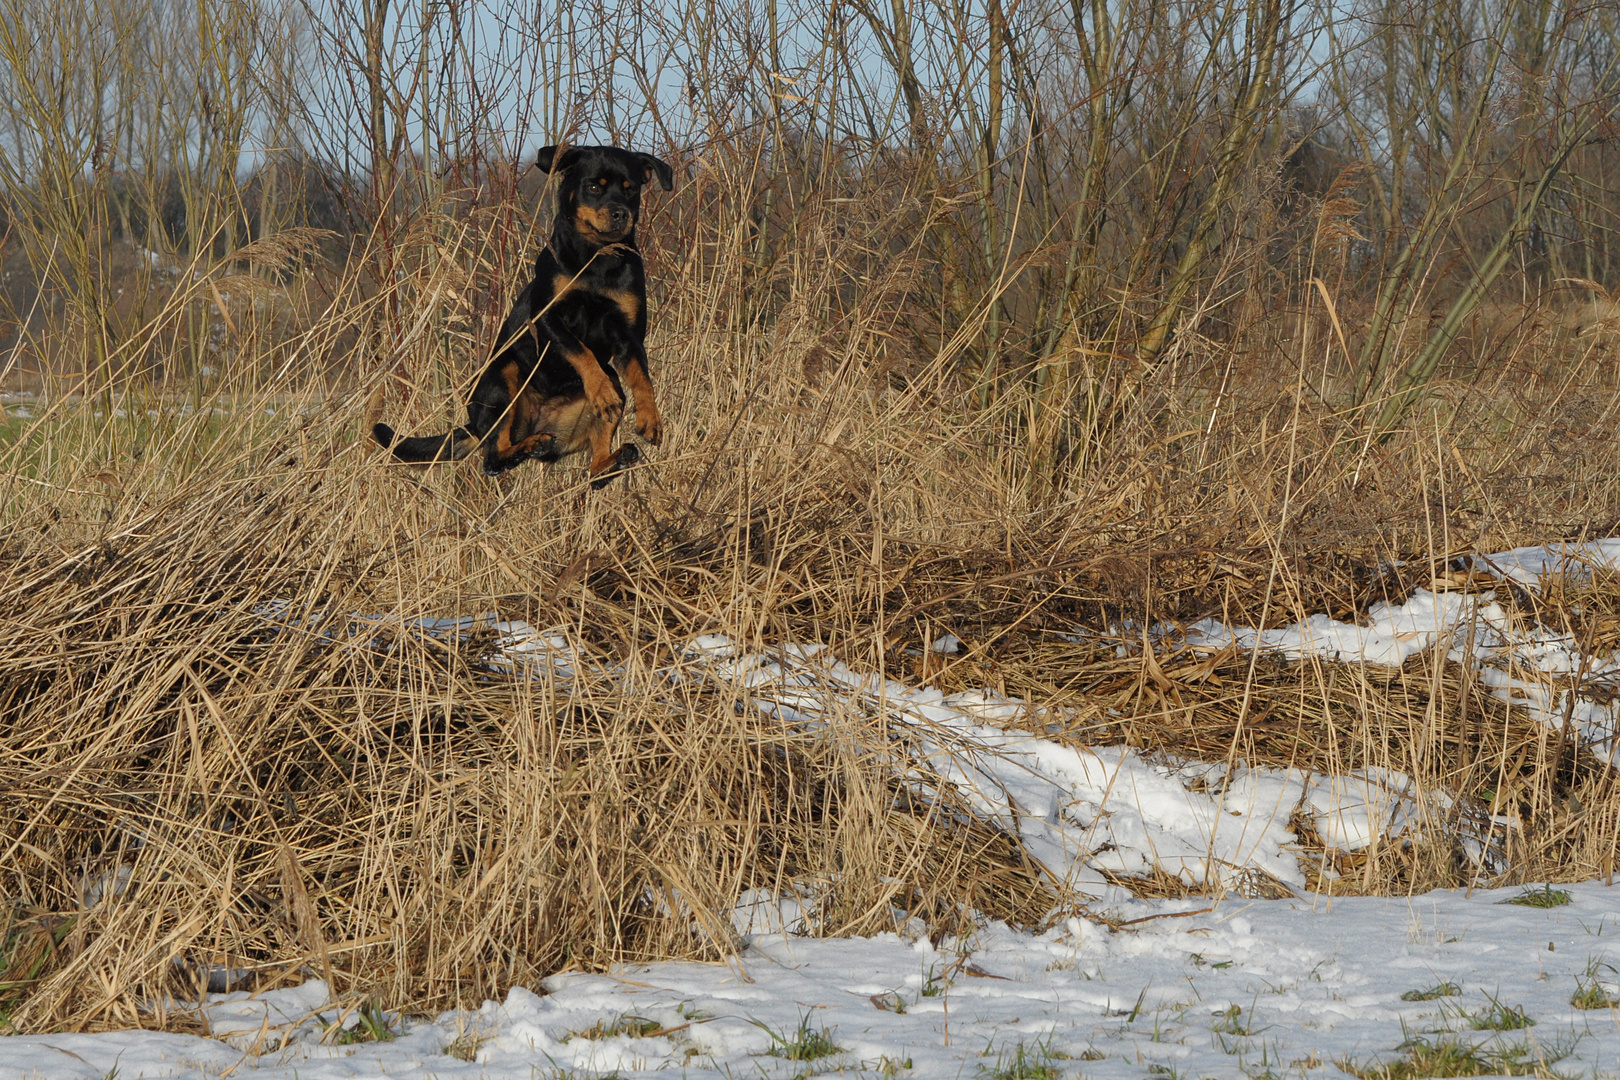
650,425
606,401
545,447
627,456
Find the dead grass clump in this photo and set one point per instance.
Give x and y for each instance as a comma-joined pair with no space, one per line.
212,762
1433,719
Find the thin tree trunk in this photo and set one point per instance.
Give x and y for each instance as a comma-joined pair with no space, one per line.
1248,121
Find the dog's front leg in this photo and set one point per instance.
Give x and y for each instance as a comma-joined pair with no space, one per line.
632,365
599,389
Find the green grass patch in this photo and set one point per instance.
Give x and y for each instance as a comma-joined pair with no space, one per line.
1026,1062
637,1027
1499,1017
1450,1056
371,1025
1590,993
1544,897
805,1044
1438,990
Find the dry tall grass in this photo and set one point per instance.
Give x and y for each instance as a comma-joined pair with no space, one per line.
208,760
905,392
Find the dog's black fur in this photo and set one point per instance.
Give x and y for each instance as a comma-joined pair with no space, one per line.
575,337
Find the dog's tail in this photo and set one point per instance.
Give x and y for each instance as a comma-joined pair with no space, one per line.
427,449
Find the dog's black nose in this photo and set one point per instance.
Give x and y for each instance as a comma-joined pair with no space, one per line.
619,216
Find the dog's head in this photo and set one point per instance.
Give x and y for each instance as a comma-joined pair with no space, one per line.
600,189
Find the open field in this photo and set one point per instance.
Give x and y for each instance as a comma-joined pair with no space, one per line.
1100,335
428,830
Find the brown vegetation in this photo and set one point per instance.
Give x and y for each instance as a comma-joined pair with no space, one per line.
1105,330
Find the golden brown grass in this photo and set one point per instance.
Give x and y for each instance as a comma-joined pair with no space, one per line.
197,734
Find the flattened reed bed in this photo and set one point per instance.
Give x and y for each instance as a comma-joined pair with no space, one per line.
198,774
212,770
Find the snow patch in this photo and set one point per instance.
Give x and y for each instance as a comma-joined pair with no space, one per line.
1533,667
1134,985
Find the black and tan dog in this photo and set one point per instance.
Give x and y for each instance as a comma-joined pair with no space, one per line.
575,337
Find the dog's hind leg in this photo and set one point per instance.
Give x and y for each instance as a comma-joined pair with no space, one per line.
499,455
606,463
626,456
519,434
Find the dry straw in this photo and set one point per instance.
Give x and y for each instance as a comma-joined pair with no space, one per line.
208,763
907,391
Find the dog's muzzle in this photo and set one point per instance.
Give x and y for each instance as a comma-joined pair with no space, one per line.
619,218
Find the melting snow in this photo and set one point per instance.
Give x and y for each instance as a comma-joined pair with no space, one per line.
1227,991
1091,813
1519,663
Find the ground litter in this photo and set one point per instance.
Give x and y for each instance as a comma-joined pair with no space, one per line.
1170,989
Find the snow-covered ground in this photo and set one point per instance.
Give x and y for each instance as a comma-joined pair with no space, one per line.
1084,811
1523,664
1236,988
1270,988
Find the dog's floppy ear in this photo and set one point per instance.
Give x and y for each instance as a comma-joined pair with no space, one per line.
650,165
556,158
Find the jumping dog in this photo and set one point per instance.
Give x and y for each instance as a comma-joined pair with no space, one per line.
575,338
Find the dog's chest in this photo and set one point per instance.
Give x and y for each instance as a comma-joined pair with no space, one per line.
595,305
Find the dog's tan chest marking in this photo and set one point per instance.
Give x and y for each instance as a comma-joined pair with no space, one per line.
627,302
